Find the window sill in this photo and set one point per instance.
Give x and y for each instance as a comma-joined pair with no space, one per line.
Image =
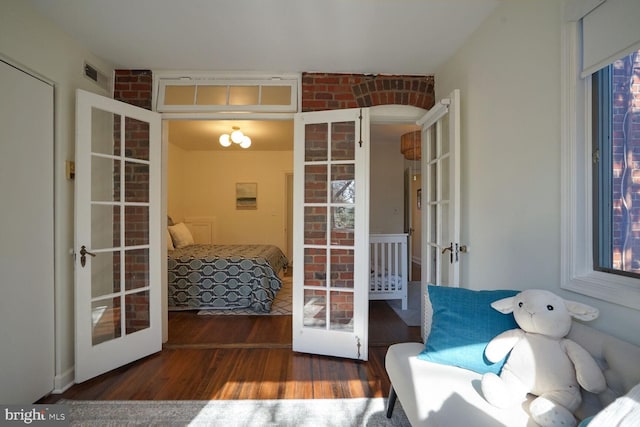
620,290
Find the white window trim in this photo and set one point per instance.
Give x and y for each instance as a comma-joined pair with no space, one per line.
576,265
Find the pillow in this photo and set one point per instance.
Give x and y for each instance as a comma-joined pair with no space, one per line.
462,325
169,241
181,235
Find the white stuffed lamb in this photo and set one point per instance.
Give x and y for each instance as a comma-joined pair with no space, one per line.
542,362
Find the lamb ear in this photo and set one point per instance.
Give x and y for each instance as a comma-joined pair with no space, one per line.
581,311
504,305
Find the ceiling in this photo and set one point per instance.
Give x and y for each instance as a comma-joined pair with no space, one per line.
336,36
355,36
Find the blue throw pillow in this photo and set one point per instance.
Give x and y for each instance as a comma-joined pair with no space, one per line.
462,325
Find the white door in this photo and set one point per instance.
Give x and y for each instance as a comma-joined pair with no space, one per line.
26,232
331,233
441,193
118,234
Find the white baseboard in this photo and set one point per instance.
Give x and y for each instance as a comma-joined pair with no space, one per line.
64,381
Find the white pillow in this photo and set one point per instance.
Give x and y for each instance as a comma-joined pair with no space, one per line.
181,235
170,246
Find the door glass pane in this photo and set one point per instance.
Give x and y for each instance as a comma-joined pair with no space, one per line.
105,273
136,312
316,138
105,185
445,262
136,139
343,183
105,132
136,269
179,95
105,320
430,148
342,226
342,266
341,316
136,225
315,184
315,267
343,138
444,177
432,182
105,226
444,135
315,225
315,309
136,186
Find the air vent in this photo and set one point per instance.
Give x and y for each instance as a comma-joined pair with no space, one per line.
99,78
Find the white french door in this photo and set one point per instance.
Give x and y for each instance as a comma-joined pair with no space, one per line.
331,233
441,193
117,234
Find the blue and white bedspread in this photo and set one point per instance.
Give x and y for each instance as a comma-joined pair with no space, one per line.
224,277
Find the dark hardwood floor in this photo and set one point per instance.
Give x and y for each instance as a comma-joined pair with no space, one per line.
246,357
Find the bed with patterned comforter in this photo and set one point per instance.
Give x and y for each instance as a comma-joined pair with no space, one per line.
224,277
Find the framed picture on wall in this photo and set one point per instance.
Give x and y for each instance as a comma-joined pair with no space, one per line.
419,198
246,195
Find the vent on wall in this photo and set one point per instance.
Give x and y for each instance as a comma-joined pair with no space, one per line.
99,78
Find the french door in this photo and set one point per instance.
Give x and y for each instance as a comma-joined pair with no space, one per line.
331,233
441,193
117,234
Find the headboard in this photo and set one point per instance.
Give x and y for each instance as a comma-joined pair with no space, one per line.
203,228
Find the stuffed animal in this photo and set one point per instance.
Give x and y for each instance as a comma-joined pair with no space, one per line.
542,362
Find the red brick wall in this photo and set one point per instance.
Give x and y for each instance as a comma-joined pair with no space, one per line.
626,163
134,87
326,91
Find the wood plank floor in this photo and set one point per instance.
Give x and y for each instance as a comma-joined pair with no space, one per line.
246,357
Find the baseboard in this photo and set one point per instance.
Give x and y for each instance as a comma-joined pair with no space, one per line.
64,381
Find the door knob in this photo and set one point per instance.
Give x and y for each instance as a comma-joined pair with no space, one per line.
83,255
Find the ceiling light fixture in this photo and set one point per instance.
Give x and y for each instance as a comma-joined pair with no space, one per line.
236,137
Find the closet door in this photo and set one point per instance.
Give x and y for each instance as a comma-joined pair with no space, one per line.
26,233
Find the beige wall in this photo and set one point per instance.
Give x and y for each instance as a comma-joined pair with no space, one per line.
29,39
386,199
508,73
203,183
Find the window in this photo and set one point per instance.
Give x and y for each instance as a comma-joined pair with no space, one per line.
176,92
598,253
615,100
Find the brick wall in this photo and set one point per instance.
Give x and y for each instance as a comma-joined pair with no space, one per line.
626,163
326,91
134,87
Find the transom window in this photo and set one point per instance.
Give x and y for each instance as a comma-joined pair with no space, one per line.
220,94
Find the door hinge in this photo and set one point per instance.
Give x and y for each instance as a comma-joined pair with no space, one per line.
358,345
595,157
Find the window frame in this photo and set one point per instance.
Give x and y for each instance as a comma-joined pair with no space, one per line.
576,254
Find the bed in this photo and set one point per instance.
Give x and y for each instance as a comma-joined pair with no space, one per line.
389,267
204,276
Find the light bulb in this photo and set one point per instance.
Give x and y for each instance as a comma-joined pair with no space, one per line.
236,136
246,142
224,140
